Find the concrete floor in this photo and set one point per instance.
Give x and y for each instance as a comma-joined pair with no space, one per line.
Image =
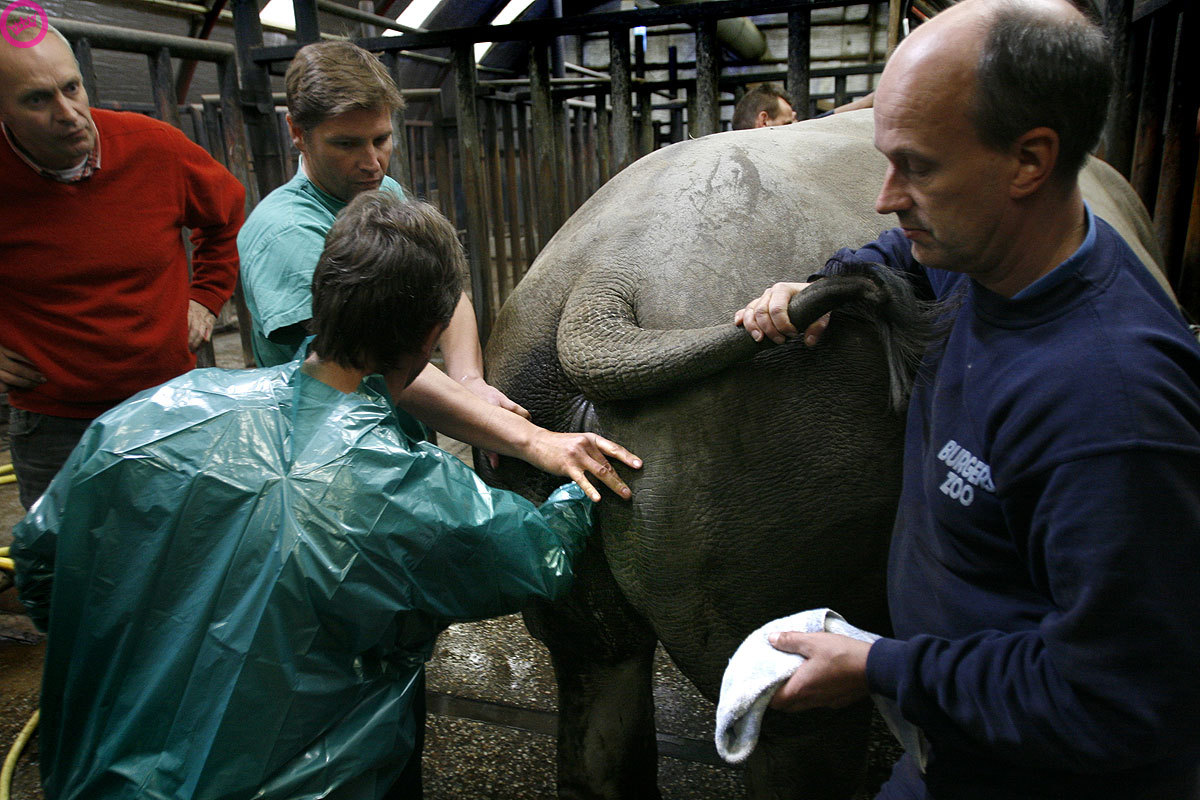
491,696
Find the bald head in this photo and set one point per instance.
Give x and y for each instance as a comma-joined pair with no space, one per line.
1011,65
43,102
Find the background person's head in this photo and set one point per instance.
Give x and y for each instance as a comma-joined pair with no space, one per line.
386,284
340,101
764,106
42,100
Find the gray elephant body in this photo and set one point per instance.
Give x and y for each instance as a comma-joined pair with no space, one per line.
771,474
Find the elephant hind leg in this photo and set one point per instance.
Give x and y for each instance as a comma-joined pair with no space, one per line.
603,654
817,755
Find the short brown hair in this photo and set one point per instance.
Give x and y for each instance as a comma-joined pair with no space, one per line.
390,273
330,78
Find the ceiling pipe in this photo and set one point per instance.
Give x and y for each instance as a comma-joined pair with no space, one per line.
739,34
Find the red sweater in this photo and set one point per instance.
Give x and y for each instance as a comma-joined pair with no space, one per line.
94,282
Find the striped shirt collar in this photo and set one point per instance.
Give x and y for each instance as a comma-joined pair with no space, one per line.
72,175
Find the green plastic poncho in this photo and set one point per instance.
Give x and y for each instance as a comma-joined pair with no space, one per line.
242,574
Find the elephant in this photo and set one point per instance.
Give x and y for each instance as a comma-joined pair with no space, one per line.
771,473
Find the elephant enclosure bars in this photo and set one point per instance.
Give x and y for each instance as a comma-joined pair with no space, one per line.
521,154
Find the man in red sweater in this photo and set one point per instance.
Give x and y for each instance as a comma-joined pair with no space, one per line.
95,299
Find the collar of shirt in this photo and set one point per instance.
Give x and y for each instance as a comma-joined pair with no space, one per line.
71,175
1068,267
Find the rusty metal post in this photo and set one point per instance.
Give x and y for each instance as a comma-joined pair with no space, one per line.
799,53
473,186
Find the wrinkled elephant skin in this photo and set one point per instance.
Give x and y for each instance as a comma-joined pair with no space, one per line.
769,481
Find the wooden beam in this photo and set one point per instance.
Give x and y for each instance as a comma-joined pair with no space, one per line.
474,192
799,53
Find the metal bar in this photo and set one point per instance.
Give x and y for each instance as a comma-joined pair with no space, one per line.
185,9
544,147
110,37
622,104
349,12
512,193
474,190
87,68
707,56
799,54
526,30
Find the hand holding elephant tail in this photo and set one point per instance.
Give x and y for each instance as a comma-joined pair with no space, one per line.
860,290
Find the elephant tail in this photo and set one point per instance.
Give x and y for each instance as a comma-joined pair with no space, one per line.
906,325
610,357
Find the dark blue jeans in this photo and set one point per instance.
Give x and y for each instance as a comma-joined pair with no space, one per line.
40,446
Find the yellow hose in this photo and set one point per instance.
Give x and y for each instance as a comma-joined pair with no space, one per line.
7,563
10,763
7,479
6,469
4,552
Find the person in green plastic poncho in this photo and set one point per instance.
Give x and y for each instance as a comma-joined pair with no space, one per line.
242,573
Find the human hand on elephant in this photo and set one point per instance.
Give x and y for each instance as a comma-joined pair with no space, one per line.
833,675
575,455
767,316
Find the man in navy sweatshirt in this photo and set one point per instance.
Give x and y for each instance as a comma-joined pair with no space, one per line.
1047,545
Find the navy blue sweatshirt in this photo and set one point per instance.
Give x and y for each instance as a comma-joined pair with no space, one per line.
1046,554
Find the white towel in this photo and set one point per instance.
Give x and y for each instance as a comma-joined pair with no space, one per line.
757,669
